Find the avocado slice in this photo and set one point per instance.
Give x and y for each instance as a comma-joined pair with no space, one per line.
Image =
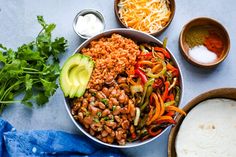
84,75
75,75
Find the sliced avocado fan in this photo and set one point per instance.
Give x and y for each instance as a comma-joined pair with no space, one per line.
75,75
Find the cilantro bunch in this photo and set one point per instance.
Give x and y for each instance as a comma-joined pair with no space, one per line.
31,70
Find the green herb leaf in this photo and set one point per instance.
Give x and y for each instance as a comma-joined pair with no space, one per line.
99,114
104,101
96,120
28,82
113,108
32,69
41,99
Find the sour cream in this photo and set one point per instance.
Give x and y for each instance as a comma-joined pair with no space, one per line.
89,25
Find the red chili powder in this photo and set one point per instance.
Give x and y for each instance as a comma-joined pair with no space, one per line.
214,43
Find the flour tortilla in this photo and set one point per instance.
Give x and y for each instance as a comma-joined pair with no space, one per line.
208,130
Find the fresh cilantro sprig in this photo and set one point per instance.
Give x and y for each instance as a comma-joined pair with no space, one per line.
31,70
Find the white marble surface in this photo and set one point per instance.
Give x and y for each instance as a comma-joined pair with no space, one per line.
18,25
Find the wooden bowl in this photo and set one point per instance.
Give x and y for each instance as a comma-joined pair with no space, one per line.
204,21
228,93
172,9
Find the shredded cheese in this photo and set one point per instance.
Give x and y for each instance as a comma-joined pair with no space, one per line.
145,15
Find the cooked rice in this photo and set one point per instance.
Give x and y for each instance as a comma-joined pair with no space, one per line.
112,56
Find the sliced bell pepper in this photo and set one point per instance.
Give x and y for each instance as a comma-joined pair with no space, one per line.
159,55
144,62
147,54
150,74
157,83
170,67
174,70
170,113
177,95
150,112
169,103
143,49
133,135
148,83
165,119
149,92
136,88
171,97
166,91
141,75
164,51
162,105
165,42
157,110
154,130
155,68
174,108
132,131
144,137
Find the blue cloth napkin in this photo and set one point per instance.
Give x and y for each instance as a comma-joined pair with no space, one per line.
49,143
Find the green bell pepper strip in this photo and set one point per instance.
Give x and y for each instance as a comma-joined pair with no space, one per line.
149,92
148,83
169,103
177,95
150,74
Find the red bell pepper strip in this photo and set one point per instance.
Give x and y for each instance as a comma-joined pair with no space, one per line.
144,138
165,94
174,71
153,131
142,75
164,118
151,100
164,51
169,121
157,83
161,55
171,97
147,54
170,113
133,135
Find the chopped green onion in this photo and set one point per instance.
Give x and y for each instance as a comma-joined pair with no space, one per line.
96,120
104,101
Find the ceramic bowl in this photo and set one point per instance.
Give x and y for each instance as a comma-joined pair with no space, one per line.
84,12
172,8
203,22
138,37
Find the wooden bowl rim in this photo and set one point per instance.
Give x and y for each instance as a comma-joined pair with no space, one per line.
228,93
185,53
172,8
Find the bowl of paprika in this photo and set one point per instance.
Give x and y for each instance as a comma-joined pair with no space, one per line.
204,42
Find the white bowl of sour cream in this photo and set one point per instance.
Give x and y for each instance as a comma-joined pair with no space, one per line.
88,23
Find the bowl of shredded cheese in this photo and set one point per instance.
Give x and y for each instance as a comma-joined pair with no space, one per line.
149,16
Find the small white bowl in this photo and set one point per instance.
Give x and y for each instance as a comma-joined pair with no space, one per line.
84,12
